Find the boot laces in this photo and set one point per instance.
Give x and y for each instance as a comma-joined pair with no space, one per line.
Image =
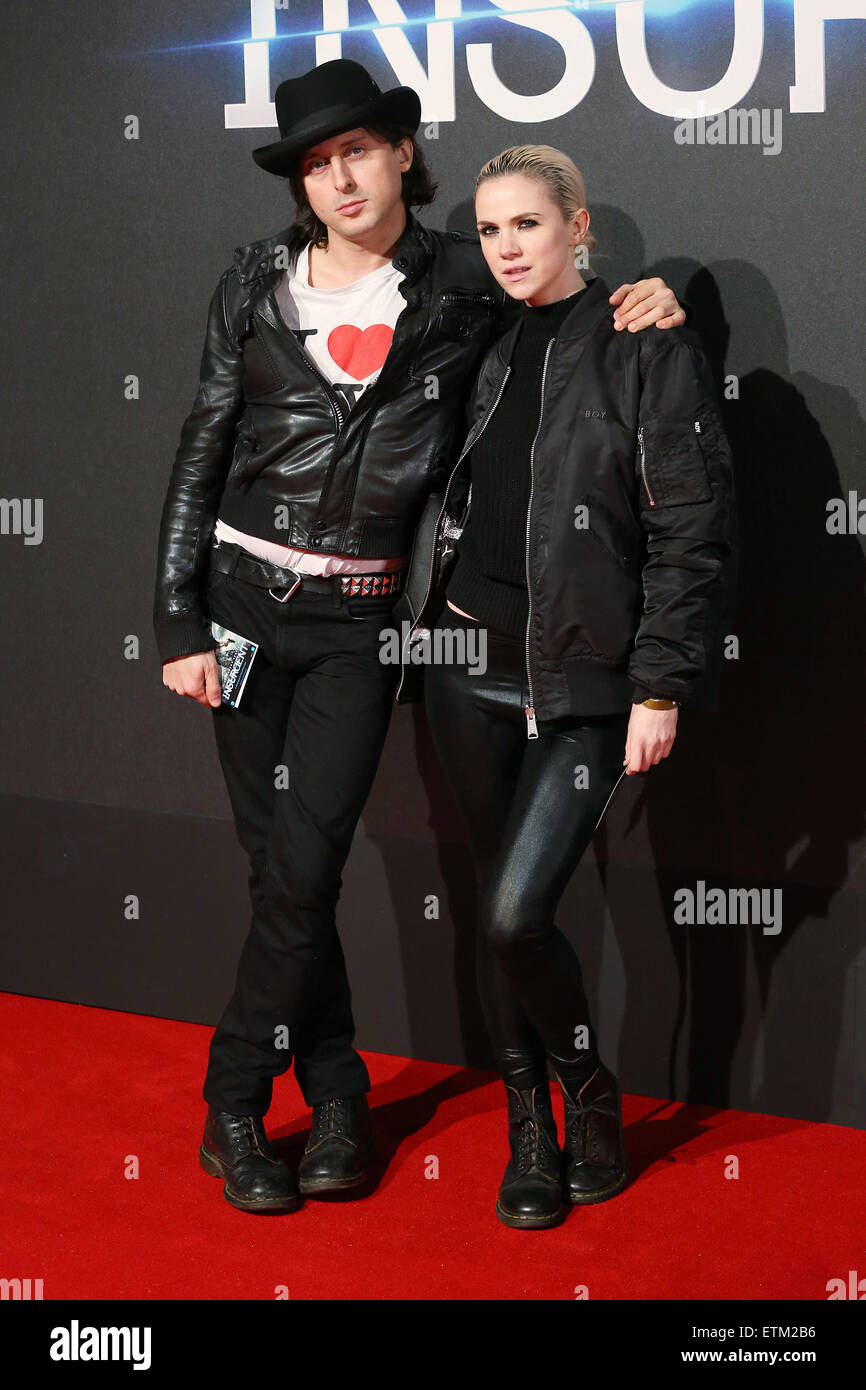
248,1129
578,1115
531,1138
330,1117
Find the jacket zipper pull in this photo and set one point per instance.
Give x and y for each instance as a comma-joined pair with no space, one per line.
643,466
531,726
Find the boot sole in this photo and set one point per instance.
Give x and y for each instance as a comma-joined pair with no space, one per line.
212,1165
530,1223
311,1186
589,1199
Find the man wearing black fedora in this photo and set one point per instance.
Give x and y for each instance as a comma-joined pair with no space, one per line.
337,363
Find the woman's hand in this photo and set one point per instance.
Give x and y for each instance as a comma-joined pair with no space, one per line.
650,737
647,302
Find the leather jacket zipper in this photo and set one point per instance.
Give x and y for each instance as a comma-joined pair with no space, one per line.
306,358
470,442
332,395
328,389
643,466
529,711
399,339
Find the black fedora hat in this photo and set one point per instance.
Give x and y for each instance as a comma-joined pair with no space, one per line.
335,96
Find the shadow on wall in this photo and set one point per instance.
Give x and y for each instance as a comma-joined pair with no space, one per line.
787,748
766,791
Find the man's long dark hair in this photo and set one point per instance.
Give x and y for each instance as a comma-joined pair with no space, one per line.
419,188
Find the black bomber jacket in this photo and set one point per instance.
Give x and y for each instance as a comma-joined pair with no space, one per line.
270,447
631,523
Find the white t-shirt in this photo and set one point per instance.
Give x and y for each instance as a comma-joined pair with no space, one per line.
347,333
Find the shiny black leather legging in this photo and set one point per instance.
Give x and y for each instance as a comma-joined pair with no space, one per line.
530,812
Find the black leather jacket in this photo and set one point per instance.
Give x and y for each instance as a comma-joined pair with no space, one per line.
267,431
630,533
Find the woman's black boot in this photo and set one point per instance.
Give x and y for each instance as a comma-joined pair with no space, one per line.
594,1147
531,1193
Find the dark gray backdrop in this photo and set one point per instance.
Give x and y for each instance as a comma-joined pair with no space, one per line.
110,784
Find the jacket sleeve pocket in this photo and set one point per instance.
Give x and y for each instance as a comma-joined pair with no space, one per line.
672,464
688,515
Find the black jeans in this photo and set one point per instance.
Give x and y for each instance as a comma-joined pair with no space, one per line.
299,755
531,807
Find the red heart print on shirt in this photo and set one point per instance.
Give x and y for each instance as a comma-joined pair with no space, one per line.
358,352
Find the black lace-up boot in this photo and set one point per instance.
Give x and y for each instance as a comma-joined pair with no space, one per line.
339,1148
236,1148
593,1143
530,1196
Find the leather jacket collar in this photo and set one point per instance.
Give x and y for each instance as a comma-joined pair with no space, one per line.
255,261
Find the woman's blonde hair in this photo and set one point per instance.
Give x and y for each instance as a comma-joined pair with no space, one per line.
559,174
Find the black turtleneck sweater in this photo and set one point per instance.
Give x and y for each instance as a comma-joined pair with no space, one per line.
488,579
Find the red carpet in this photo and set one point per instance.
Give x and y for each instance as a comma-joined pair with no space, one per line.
85,1089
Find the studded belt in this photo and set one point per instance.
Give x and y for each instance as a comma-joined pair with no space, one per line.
235,560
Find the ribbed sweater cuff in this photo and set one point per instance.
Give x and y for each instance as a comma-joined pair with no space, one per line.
182,634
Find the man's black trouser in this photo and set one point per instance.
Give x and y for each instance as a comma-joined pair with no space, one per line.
299,755
531,807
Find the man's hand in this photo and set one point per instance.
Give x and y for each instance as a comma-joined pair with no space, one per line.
196,676
650,737
647,302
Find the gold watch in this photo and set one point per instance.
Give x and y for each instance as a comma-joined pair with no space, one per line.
654,703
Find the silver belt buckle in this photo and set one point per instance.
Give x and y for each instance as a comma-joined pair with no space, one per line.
285,597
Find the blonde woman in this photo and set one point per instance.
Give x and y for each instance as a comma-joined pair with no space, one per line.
585,531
